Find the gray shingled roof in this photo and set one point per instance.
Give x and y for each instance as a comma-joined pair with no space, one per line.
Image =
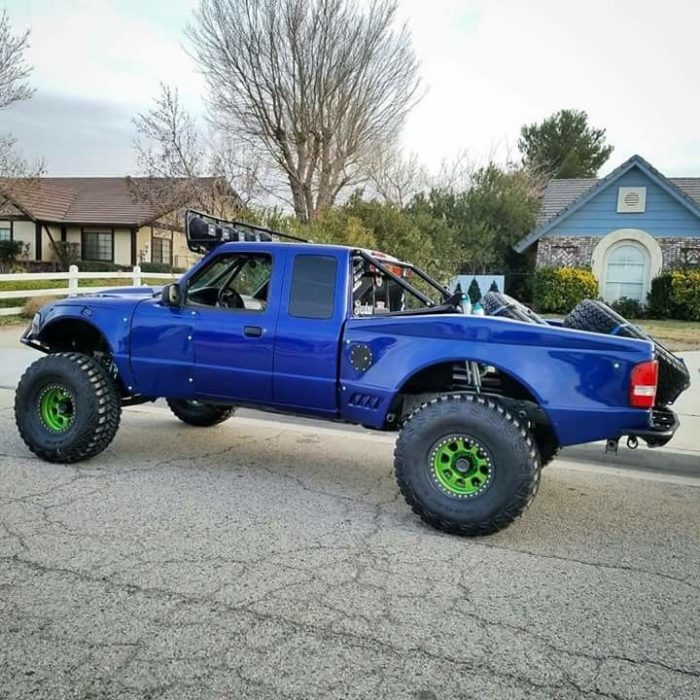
559,195
562,193
562,197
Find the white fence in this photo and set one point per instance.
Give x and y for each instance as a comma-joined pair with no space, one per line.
73,289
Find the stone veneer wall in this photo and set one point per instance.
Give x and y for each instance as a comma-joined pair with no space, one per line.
566,251
577,251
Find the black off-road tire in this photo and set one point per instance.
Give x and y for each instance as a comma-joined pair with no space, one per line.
95,407
198,413
593,315
497,304
547,444
513,458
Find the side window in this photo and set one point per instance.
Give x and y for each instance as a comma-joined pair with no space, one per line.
313,286
240,281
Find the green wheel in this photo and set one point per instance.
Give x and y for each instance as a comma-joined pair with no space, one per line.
67,407
57,408
461,466
466,465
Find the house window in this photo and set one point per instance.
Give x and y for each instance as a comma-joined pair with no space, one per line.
5,233
162,251
97,245
627,272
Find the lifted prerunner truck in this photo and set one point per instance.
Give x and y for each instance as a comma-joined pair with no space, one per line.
265,320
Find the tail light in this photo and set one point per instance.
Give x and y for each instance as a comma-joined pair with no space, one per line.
643,381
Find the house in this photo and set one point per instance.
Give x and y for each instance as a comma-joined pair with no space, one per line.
110,219
628,227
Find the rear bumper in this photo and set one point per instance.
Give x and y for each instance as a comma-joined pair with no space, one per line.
663,423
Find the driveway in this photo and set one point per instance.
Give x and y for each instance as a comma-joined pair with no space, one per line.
261,559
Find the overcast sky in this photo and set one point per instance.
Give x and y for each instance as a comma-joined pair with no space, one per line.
488,67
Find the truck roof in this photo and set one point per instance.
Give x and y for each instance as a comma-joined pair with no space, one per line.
310,247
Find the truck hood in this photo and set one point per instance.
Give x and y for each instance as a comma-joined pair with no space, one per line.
144,292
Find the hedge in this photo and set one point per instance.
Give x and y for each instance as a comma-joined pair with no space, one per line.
676,294
159,267
559,289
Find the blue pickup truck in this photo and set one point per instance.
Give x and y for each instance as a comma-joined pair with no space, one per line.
480,403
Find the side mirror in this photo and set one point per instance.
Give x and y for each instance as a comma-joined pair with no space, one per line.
170,294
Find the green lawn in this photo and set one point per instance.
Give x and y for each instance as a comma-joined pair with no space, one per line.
63,284
675,335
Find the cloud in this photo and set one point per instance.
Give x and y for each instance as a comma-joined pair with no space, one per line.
74,135
108,50
489,66
493,65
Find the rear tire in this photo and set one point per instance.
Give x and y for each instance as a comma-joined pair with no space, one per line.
198,413
465,465
595,316
547,444
67,407
497,304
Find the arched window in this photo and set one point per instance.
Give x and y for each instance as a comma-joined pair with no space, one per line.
627,271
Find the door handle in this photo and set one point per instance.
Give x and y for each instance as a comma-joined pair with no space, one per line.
252,331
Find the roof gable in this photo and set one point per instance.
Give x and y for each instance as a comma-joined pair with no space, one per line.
565,197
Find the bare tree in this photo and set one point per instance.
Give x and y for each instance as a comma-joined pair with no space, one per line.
396,176
318,85
14,70
180,167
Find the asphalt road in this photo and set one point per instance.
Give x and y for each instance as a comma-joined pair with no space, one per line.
261,559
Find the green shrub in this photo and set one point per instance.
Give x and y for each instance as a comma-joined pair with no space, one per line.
659,299
559,289
158,267
99,266
9,252
629,308
67,253
676,294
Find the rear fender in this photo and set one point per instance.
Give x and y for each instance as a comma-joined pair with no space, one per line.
579,379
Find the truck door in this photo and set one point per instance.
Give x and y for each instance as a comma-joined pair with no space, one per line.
313,309
161,349
234,301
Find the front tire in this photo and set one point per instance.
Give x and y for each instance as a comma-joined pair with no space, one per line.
466,465
198,413
67,407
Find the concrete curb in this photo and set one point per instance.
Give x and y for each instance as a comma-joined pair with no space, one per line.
659,460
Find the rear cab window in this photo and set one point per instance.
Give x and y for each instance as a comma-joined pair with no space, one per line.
313,286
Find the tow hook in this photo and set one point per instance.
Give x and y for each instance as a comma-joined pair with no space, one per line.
611,445
632,442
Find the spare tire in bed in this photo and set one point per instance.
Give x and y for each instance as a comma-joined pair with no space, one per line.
593,315
497,304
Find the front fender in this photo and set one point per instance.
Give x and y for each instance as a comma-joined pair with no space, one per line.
580,379
111,318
